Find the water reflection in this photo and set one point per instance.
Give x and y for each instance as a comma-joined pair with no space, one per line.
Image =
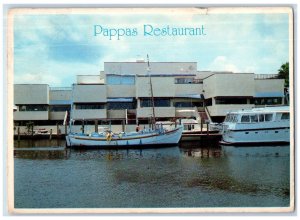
202,152
190,176
50,153
32,143
125,154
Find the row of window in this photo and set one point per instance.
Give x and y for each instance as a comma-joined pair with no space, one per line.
253,118
235,101
110,106
130,80
188,81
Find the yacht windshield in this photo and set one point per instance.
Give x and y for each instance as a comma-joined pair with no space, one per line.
231,118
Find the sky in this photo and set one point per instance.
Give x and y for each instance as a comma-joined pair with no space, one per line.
54,48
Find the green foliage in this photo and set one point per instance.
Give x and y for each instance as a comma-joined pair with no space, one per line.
283,73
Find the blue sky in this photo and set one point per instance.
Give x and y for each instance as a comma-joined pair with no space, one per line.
54,48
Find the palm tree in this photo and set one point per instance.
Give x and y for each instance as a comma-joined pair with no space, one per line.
283,73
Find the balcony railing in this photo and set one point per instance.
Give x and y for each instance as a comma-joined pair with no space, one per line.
266,76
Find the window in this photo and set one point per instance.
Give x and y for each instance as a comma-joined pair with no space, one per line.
120,105
120,80
158,102
188,81
267,101
227,101
60,108
183,104
26,108
261,117
208,102
285,116
245,119
268,117
254,118
90,106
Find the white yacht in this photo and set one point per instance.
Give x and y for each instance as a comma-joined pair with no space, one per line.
258,125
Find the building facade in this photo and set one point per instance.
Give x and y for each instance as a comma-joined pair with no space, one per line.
121,94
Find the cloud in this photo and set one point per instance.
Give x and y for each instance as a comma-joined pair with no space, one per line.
221,63
37,77
63,45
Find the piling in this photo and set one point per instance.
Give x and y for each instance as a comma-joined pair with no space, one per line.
50,137
18,133
123,125
57,131
201,125
96,126
82,127
207,128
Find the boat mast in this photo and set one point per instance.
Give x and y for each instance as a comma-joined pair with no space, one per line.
152,98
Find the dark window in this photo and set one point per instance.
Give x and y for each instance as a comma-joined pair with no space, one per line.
254,118
208,102
268,117
267,101
33,108
60,108
227,101
183,104
90,106
188,81
188,104
245,118
121,105
158,102
261,118
285,116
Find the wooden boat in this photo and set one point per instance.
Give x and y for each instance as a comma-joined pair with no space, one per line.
156,138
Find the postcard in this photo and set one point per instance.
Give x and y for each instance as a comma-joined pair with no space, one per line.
150,110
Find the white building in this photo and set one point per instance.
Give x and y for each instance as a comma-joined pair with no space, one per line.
121,94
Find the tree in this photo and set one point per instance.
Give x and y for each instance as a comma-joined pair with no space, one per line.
283,73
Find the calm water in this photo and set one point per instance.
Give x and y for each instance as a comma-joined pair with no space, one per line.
169,177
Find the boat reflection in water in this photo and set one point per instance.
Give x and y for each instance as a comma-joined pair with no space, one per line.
194,176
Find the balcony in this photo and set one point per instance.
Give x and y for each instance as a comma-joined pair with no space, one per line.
31,115
116,114
163,112
79,114
222,110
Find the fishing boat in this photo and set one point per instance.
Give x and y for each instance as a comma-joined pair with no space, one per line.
157,136
266,125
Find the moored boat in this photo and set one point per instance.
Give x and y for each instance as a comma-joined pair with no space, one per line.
266,125
156,138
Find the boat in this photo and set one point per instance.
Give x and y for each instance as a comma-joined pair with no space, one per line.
157,136
266,125
192,129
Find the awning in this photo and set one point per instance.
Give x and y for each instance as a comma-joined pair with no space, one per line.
269,94
60,102
119,99
194,96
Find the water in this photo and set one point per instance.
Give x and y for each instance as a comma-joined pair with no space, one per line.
166,177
